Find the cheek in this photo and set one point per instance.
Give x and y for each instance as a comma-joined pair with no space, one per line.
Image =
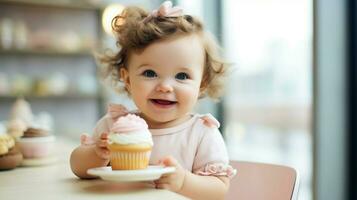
139,94
137,86
189,94
141,88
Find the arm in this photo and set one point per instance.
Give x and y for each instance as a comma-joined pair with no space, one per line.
204,187
85,157
192,185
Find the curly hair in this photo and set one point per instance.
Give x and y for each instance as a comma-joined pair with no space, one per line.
133,34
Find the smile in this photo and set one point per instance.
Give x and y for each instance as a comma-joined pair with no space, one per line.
163,103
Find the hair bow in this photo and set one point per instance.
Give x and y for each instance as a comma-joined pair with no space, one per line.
165,10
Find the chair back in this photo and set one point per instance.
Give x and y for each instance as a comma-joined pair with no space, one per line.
260,181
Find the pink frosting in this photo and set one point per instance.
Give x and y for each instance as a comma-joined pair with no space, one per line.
128,123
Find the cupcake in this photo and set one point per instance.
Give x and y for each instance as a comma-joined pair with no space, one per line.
16,128
37,142
20,117
10,156
21,110
130,143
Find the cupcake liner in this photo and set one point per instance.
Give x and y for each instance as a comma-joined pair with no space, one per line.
124,160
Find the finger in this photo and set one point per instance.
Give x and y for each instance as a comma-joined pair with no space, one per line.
166,176
102,143
86,140
161,163
169,161
162,186
104,155
83,136
102,152
163,180
104,135
105,151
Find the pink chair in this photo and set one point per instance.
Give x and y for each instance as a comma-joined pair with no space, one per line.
260,181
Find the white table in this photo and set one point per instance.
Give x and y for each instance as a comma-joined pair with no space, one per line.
56,181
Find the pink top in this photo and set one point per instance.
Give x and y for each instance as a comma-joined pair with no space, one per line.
197,143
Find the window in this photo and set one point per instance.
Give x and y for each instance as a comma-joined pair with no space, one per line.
269,96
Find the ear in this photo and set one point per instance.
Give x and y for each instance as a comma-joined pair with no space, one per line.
124,76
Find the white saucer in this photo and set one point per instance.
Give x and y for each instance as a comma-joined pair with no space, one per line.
152,172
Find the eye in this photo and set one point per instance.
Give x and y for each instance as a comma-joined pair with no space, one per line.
182,76
149,73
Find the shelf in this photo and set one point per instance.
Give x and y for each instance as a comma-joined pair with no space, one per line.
45,52
69,96
57,36
78,4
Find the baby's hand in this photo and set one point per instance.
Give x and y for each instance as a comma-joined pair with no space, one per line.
173,181
86,139
101,146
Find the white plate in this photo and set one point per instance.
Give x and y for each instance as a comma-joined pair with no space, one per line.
152,172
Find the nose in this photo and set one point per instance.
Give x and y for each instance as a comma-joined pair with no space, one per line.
164,86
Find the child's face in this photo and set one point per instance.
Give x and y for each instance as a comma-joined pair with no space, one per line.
164,80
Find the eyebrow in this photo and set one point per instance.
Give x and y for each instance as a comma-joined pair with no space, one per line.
188,69
184,68
143,65
179,69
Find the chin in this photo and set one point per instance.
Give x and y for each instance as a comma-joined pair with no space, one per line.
163,119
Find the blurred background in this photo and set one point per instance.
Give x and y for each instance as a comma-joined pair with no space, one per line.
286,100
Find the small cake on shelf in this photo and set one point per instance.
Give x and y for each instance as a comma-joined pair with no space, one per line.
130,143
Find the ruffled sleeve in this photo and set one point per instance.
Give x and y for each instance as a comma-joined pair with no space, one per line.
114,111
212,158
217,169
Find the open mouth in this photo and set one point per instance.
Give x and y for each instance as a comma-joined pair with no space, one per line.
161,102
